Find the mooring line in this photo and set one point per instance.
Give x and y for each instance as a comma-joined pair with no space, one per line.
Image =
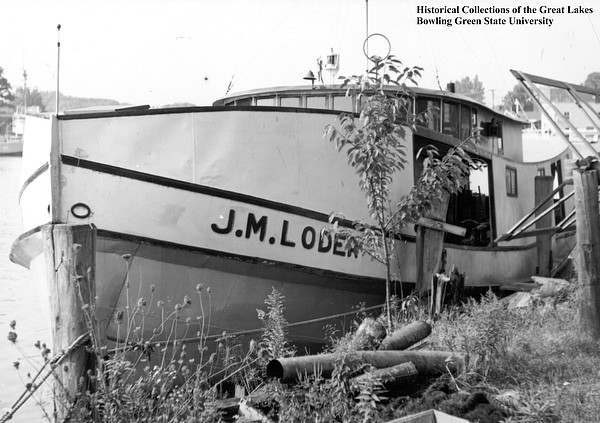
54,363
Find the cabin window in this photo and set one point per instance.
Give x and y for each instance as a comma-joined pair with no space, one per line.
316,102
242,102
268,101
450,120
290,101
343,103
511,181
465,122
500,145
556,171
428,113
541,172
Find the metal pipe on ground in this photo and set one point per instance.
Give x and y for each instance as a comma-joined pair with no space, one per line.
427,363
406,336
392,378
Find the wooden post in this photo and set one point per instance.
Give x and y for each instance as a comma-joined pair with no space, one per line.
588,244
70,254
543,188
429,247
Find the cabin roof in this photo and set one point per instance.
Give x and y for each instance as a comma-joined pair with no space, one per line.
327,89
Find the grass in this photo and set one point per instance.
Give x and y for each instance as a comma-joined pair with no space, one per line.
534,354
529,363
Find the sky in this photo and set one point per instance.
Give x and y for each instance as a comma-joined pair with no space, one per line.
161,52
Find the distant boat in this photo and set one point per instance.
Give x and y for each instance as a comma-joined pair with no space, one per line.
11,143
234,197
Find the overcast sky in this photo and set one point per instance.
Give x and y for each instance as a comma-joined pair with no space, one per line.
158,52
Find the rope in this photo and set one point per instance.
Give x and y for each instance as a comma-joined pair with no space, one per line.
54,363
253,331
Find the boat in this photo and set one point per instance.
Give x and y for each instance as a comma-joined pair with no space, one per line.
11,142
234,197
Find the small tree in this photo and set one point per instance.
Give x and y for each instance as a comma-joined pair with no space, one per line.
6,96
375,146
593,80
33,97
517,93
471,87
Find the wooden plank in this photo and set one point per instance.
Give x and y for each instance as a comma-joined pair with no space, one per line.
533,232
543,241
519,286
555,83
429,247
442,226
588,244
70,256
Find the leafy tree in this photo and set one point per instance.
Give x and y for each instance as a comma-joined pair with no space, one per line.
518,93
472,88
375,146
34,98
5,90
593,80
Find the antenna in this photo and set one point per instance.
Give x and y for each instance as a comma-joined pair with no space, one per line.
57,66
367,35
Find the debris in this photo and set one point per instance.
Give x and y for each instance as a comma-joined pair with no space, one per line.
517,300
368,335
431,416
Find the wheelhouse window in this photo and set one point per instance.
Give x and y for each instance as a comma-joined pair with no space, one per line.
242,102
450,122
290,101
316,102
465,122
343,103
265,101
511,182
428,113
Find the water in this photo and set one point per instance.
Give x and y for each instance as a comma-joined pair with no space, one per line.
19,302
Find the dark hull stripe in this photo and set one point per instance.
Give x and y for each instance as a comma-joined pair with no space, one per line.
145,111
102,233
243,198
201,189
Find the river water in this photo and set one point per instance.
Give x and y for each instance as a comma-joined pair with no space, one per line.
18,301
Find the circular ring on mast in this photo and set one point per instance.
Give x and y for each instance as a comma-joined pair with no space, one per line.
375,58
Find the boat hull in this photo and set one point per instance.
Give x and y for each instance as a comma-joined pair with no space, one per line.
11,148
235,200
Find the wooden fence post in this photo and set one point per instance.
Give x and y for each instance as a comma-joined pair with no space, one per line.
70,255
588,244
543,188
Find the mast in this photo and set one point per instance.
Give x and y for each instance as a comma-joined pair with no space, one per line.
58,67
24,91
